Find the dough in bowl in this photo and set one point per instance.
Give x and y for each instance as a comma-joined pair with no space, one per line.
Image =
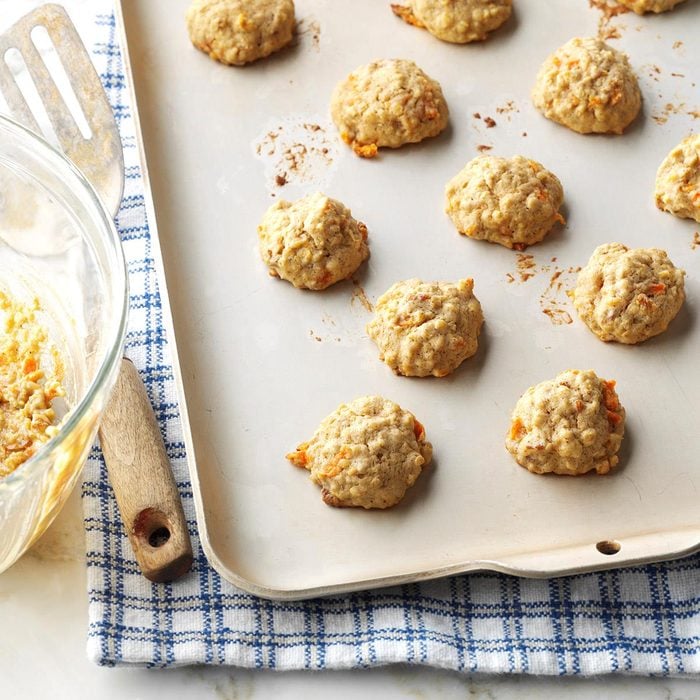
313,242
589,87
366,454
572,424
389,103
237,32
510,201
426,328
628,295
456,21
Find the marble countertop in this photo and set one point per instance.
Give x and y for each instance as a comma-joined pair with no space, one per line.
43,608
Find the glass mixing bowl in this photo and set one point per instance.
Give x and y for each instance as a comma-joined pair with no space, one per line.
58,245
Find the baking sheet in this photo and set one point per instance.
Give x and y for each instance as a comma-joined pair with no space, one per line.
263,363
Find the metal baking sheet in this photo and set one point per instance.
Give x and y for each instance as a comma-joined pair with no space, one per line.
263,363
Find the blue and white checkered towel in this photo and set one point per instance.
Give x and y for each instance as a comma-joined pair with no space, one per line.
644,620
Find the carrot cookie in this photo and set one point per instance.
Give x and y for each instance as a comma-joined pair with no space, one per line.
424,328
678,180
628,295
589,87
456,21
571,425
313,242
240,31
511,201
387,103
642,6
366,454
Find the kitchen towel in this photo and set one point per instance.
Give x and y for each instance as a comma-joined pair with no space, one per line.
644,620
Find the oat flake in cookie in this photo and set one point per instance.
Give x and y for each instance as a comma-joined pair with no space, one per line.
571,425
426,328
589,87
237,32
313,242
511,201
628,295
387,103
678,180
642,6
456,21
366,454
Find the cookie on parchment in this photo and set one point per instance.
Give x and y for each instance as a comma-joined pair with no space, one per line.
313,242
426,328
387,103
642,6
589,87
572,424
678,180
511,201
456,21
628,295
366,454
237,32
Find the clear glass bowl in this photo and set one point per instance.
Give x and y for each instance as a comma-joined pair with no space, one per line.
58,244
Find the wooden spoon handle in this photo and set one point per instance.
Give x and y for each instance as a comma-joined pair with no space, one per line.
142,480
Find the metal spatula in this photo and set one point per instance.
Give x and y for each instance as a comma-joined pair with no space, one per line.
138,467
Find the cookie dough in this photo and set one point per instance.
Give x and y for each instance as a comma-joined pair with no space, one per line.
388,103
511,201
456,21
571,425
236,32
678,180
589,87
642,6
313,242
366,454
628,295
426,328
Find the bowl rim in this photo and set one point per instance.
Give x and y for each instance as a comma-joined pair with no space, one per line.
117,332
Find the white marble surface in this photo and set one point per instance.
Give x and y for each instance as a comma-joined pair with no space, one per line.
43,621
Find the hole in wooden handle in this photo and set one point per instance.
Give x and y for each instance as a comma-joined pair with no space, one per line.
608,547
152,525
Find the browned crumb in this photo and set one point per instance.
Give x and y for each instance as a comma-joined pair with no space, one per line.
490,122
482,147
508,107
313,28
281,180
677,44
476,115
358,293
406,14
608,12
696,240
524,133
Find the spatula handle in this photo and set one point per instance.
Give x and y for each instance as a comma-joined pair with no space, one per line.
142,480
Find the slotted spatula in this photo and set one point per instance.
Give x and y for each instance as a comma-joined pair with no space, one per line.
137,464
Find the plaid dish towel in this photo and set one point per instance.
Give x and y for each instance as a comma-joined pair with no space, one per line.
644,620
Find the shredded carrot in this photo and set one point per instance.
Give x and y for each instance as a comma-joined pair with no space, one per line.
517,429
418,429
368,150
659,288
29,365
610,396
299,458
614,418
579,405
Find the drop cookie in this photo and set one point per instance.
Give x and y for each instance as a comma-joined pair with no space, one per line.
365,454
678,180
387,103
313,242
589,87
643,6
456,21
572,424
237,32
510,201
628,295
426,328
